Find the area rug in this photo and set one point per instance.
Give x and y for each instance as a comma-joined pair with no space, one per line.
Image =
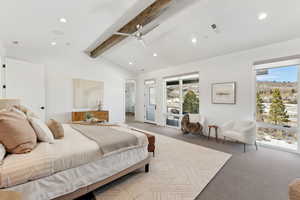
179,171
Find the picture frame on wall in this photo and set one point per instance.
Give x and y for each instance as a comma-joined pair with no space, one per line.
223,93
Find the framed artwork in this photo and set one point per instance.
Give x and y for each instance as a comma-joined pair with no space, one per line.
224,93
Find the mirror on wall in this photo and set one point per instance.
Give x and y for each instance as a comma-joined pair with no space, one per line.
88,94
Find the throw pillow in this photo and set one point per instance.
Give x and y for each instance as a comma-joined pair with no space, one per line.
16,134
2,153
42,131
27,111
56,128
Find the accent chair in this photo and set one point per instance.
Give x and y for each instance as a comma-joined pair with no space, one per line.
241,131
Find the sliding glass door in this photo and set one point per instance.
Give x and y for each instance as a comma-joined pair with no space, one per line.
182,97
277,106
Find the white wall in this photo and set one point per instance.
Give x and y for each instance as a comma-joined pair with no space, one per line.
234,67
59,88
2,49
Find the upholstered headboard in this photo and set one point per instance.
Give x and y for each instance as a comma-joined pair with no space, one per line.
4,103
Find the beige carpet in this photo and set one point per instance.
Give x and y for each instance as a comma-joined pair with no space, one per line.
179,171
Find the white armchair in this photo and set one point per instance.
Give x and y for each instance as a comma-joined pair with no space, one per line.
194,118
241,131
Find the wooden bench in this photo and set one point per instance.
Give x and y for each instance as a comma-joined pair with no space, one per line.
151,140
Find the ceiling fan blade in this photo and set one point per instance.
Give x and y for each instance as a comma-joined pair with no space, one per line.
148,29
123,34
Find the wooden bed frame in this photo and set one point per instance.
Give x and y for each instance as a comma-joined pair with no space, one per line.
82,191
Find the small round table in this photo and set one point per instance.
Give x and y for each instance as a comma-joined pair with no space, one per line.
216,131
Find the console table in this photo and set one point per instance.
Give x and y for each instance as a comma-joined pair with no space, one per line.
80,116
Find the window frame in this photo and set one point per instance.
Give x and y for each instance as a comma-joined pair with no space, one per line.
274,63
179,78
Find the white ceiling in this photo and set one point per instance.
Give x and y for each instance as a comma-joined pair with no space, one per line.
32,22
35,23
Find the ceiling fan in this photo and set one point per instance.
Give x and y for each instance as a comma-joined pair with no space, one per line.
139,34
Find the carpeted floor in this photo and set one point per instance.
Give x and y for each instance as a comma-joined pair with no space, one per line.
177,172
255,175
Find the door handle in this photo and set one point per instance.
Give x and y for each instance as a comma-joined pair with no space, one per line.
42,108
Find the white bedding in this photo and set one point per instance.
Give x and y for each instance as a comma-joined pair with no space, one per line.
46,159
70,180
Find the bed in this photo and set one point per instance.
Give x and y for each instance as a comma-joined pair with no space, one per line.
72,166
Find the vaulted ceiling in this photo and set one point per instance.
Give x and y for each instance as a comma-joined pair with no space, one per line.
35,24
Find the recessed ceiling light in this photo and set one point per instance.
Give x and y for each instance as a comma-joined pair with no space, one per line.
53,43
63,20
262,16
194,40
154,54
130,63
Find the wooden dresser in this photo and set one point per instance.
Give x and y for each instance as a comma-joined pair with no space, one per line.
80,116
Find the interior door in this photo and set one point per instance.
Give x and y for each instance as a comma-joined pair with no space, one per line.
150,106
26,81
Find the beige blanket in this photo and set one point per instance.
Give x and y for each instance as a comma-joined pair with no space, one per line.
108,139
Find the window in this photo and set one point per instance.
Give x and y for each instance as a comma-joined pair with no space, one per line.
173,102
190,92
182,97
277,106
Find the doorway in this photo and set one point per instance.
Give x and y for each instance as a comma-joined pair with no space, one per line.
150,101
130,94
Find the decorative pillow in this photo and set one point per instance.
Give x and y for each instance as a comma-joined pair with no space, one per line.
56,128
6,103
18,111
2,153
42,131
16,134
25,110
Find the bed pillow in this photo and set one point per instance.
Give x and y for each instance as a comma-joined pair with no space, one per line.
2,153
16,134
43,133
18,111
56,128
6,103
26,111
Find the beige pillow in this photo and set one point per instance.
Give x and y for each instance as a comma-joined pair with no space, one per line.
2,153
41,129
25,110
56,128
16,134
6,103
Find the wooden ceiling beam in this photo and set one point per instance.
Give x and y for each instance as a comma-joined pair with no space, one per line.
144,18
